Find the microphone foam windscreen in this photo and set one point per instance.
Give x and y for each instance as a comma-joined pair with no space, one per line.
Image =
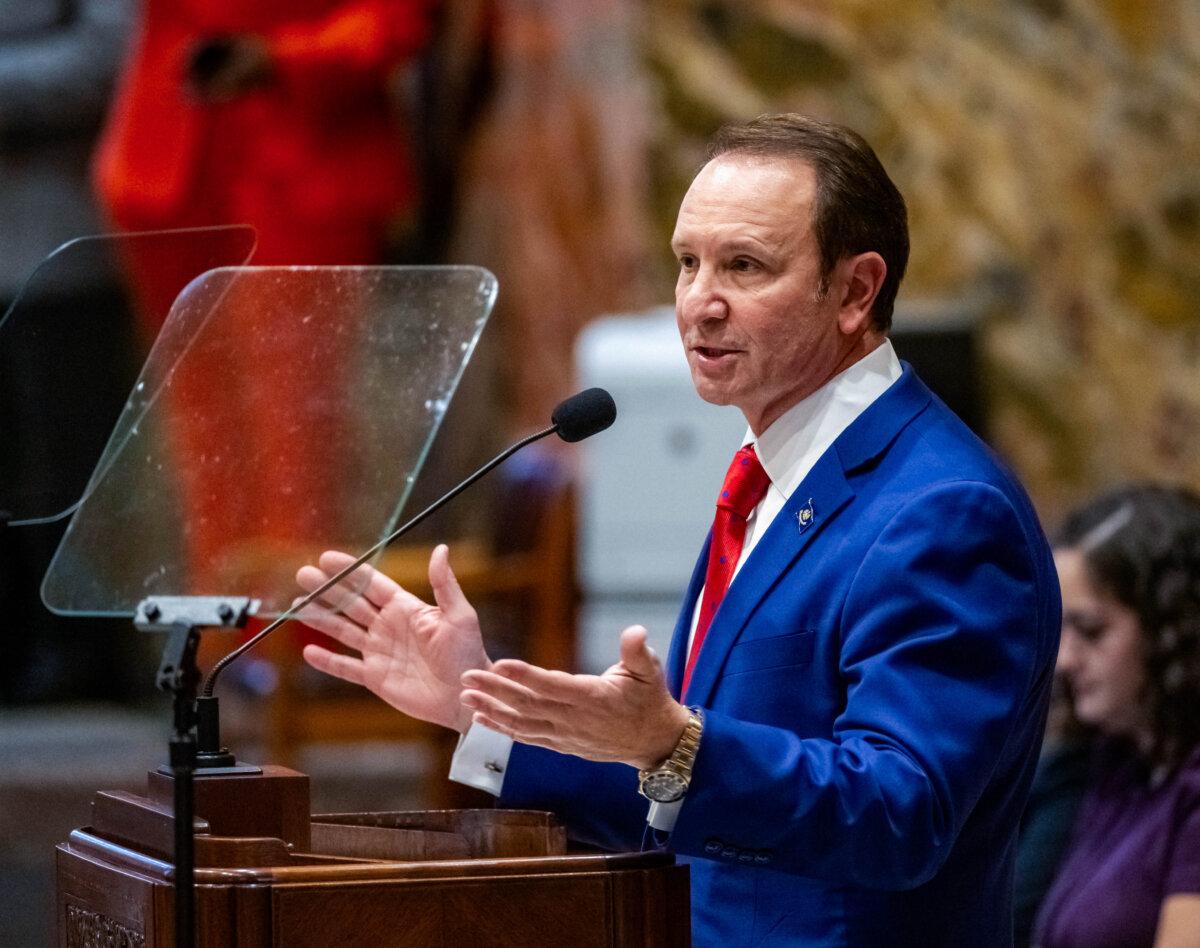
585,414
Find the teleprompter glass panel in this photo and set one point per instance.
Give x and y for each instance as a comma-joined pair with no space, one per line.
283,411
71,343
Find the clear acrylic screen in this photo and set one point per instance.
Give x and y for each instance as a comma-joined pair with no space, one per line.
46,364
283,411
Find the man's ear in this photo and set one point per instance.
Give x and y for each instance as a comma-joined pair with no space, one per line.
862,276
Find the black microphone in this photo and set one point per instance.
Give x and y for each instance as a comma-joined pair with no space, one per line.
580,416
585,414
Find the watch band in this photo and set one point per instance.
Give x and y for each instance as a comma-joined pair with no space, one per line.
670,780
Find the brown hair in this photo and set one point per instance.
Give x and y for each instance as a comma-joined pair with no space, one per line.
1141,545
858,208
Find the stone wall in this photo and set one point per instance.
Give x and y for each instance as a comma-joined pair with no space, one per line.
1048,150
552,188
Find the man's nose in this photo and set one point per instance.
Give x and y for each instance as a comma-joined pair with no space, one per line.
701,299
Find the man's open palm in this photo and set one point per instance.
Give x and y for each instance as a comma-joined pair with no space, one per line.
409,653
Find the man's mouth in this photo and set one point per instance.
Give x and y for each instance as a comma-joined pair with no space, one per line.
714,352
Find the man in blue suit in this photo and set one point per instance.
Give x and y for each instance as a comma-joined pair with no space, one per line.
845,730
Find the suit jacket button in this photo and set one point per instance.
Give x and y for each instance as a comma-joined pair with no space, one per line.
746,856
762,858
730,852
712,846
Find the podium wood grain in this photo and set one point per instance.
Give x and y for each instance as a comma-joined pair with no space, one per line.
268,874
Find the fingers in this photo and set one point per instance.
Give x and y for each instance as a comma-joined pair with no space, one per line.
336,626
340,598
550,743
374,605
446,591
366,581
555,686
505,719
538,734
344,667
514,695
359,595
521,710
479,717
637,657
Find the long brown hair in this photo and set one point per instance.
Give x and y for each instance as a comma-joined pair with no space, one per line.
1141,545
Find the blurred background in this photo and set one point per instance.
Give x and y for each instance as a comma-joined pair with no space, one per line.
1047,150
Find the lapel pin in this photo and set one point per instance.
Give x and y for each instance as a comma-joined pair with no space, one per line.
806,516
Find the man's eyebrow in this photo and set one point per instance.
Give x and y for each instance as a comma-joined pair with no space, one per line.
746,243
742,243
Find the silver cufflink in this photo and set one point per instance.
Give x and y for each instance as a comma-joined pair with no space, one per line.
493,767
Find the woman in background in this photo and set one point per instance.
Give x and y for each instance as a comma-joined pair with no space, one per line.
1062,778
1129,565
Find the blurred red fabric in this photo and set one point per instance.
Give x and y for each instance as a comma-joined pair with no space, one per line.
314,158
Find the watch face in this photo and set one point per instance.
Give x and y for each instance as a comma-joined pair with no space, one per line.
664,786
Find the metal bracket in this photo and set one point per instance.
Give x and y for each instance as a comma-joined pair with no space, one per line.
177,673
167,613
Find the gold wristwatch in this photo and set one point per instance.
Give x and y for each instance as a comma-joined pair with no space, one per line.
669,781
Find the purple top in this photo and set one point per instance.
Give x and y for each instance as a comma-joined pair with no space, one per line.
1134,845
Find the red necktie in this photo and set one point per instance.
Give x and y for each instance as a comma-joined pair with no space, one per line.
745,484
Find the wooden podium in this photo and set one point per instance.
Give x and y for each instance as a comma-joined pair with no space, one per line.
268,873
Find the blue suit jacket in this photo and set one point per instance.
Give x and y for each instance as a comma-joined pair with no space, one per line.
875,686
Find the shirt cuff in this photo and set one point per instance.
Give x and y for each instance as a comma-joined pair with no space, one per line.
662,816
481,759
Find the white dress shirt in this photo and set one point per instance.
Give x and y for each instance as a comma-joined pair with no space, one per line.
788,449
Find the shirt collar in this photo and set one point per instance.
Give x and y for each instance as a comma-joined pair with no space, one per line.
790,447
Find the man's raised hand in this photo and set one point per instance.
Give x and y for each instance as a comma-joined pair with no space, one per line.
626,714
409,653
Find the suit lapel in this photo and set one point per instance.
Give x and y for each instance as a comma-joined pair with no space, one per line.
677,658
821,496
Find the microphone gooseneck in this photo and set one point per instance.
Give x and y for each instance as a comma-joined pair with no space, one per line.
576,418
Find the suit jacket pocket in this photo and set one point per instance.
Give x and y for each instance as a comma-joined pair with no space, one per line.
776,651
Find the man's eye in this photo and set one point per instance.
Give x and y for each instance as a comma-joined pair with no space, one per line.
744,265
687,261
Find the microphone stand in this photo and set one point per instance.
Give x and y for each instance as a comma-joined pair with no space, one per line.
182,617
210,754
196,744
579,417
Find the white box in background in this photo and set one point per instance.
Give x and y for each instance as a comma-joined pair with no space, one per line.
648,485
